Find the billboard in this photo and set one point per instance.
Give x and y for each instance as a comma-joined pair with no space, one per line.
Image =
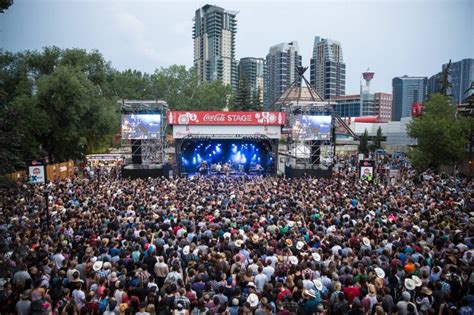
309,127
141,126
227,118
36,174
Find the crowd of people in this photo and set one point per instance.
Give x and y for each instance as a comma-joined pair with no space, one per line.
235,245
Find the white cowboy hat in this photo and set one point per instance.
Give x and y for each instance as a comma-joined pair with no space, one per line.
251,284
318,284
239,243
379,272
310,293
316,256
293,260
410,284
366,241
253,300
299,245
186,250
417,281
291,223
227,235
98,265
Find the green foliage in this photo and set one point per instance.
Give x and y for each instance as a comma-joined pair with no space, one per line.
56,104
256,104
441,136
242,100
4,5
364,143
378,139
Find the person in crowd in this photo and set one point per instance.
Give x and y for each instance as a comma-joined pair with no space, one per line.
233,245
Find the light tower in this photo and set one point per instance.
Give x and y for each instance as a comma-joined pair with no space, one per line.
366,102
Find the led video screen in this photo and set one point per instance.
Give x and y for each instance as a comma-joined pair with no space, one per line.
141,126
308,127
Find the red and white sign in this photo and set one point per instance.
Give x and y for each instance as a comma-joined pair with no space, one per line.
227,118
36,174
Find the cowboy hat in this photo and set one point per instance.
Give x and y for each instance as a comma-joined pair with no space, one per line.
293,260
318,284
253,300
227,235
239,243
186,250
289,242
379,272
98,265
426,290
316,257
410,284
417,281
366,241
299,245
310,293
251,284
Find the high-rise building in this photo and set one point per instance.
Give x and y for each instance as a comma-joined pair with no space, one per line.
406,91
328,70
461,74
383,106
252,69
281,63
433,84
348,105
214,45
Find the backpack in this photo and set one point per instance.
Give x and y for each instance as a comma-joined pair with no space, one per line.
103,303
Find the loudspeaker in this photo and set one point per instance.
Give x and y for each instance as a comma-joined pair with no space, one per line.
137,151
315,152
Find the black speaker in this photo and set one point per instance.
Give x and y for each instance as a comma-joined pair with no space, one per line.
137,151
315,152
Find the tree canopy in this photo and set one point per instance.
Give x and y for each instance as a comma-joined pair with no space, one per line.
441,136
62,103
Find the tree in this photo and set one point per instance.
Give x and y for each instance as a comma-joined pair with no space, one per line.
441,136
242,100
256,103
378,139
364,143
4,5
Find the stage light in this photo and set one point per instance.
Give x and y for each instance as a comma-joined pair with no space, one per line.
218,149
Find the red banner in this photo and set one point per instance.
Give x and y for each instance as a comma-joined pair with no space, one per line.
227,118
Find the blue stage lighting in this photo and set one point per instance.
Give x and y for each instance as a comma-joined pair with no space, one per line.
218,149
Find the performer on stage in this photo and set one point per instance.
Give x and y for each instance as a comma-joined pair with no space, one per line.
218,168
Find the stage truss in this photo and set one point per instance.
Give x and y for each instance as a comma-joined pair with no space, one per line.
273,143
152,151
297,100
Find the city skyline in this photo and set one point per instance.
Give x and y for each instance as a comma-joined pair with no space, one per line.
148,35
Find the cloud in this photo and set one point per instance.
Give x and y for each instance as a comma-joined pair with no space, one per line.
135,33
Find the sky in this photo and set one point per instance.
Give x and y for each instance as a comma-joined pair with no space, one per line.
392,37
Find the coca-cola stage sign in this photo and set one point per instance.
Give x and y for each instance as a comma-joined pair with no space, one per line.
227,118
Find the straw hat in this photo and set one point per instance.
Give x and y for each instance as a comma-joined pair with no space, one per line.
426,290
251,284
410,284
253,300
227,235
293,260
379,272
239,243
98,265
299,245
417,281
289,242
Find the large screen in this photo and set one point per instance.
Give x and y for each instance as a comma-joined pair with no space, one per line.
308,127
141,126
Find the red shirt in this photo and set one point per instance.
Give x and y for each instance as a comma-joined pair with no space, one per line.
351,293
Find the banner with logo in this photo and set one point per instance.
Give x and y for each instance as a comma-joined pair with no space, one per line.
227,118
36,174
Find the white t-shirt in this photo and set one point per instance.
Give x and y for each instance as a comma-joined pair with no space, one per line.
79,297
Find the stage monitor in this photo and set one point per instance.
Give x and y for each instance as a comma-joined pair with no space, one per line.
141,126
310,127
